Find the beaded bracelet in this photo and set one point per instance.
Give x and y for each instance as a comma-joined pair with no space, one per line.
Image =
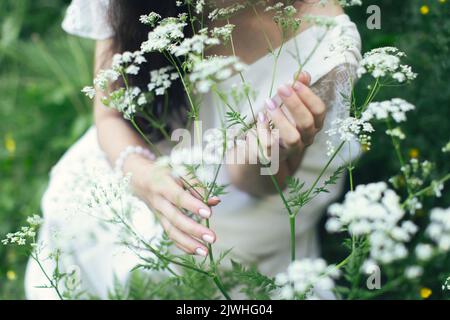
128,151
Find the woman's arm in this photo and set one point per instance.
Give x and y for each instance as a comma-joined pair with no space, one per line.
114,133
155,186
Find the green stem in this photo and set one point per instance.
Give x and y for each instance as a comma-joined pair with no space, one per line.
426,190
52,284
292,230
324,169
214,268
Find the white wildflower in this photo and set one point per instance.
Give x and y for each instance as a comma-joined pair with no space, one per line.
413,272
206,72
413,205
161,80
395,108
195,45
132,69
446,148
446,285
224,13
199,6
439,228
349,3
124,101
104,77
89,92
150,18
348,130
26,234
437,187
320,21
424,251
386,63
304,277
375,211
396,133
224,32
164,35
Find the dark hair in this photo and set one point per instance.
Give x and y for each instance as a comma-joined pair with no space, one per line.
129,33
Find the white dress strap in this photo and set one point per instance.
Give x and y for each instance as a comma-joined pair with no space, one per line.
88,19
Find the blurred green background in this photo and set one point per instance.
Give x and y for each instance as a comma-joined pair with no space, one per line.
42,111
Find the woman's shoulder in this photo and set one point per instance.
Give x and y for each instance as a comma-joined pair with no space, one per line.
88,19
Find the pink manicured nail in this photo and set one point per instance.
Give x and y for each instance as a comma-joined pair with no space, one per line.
261,117
307,75
201,252
208,238
205,213
215,198
298,86
270,105
285,91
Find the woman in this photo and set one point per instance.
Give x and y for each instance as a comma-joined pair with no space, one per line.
249,218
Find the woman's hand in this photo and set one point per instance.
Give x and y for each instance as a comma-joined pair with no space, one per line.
168,197
298,120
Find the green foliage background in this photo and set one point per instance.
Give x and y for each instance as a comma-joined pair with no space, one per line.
42,111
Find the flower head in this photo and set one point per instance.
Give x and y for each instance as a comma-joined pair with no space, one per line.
439,228
374,210
395,109
305,276
386,63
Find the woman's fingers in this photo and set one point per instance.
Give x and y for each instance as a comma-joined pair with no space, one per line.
184,199
302,116
265,142
183,222
197,189
304,78
312,102
182,240
289,135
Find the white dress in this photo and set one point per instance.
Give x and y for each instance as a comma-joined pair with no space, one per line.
256,228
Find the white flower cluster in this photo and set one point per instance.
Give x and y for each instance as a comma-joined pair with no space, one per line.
349,3
424,251
164,35
110,200
206,72
304,278
161,80
386,63
225,13
109,192
413,272
150,18
446,148
439,228
199,6
374,211
395,108
26,233
224,32
396,133
320,21
343,44
195,45
348,130
125,100
416,173
127,62
446,285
